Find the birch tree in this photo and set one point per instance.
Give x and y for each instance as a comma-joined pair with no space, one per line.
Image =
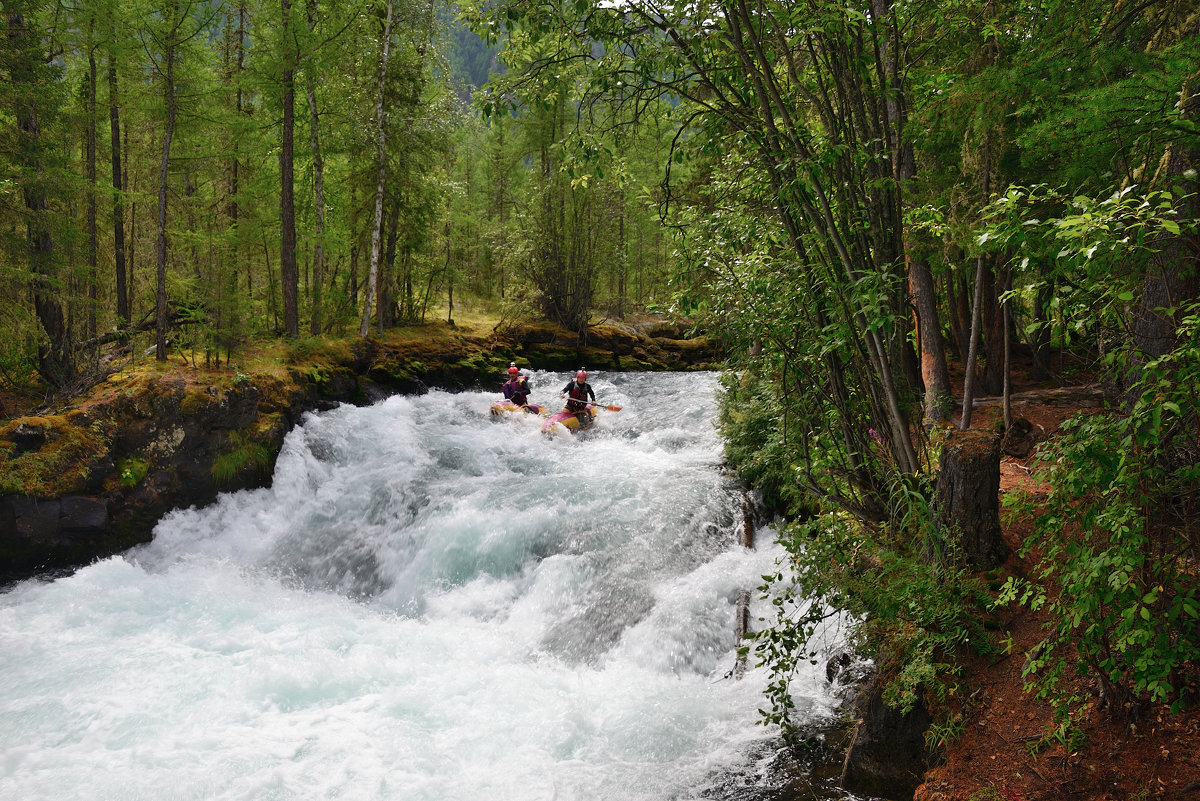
314,124
380,172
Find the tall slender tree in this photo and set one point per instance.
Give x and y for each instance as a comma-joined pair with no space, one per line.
93,242
30,105
288,274
380,171
118,200
168,40
316,325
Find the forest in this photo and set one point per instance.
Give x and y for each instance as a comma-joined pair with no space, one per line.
209,173
880,207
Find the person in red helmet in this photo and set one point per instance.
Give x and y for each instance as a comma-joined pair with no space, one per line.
516,389
578,392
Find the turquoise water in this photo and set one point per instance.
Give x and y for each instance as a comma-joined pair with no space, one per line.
426,604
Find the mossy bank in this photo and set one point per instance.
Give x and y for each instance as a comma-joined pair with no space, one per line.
94,477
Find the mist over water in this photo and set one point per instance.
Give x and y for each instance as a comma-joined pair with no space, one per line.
426,604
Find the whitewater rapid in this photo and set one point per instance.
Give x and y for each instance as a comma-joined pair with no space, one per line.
427,604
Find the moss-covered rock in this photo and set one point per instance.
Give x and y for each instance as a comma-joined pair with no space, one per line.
45,457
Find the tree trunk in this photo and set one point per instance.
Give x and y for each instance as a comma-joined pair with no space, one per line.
622,256
317,323
288,276
127,184
355,250
93,240
976,307
968,499
973,345
118,209
55,362
939,398
1007,402
385,292
932,371
380,174
233,75
960,313
449,276
993,328
1173,278
160,328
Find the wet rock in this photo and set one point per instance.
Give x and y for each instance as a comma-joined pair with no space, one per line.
83,513
886,757
838,665
372,391
35,519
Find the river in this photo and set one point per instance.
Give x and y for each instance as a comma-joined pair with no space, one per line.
426,605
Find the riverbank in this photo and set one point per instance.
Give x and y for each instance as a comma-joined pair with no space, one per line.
91,475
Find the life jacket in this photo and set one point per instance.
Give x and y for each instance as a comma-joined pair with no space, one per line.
517,390
577,396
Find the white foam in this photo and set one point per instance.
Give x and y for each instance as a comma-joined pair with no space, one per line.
426,604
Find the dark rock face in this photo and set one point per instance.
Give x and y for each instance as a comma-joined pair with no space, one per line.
171,446
82,514
886,757
37,520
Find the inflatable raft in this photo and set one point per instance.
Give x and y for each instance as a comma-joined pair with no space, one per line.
570,421
503,407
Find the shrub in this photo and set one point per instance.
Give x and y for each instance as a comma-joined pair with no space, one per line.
895,583
243,452
1116,542
916,615
131,471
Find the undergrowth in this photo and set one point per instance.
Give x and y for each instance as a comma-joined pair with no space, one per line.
244,452
1115,544
913,615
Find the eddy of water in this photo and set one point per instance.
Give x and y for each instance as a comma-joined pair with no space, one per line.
427,604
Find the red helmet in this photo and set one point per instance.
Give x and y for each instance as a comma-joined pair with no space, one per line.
581,375
512,369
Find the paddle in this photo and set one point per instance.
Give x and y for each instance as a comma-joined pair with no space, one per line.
603,406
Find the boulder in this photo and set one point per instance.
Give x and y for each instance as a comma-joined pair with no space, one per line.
886,757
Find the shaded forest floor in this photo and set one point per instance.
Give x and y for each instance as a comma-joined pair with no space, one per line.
1000,754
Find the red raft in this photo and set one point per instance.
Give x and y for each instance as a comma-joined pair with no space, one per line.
570,420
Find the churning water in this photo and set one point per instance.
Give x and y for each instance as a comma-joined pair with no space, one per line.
426,604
